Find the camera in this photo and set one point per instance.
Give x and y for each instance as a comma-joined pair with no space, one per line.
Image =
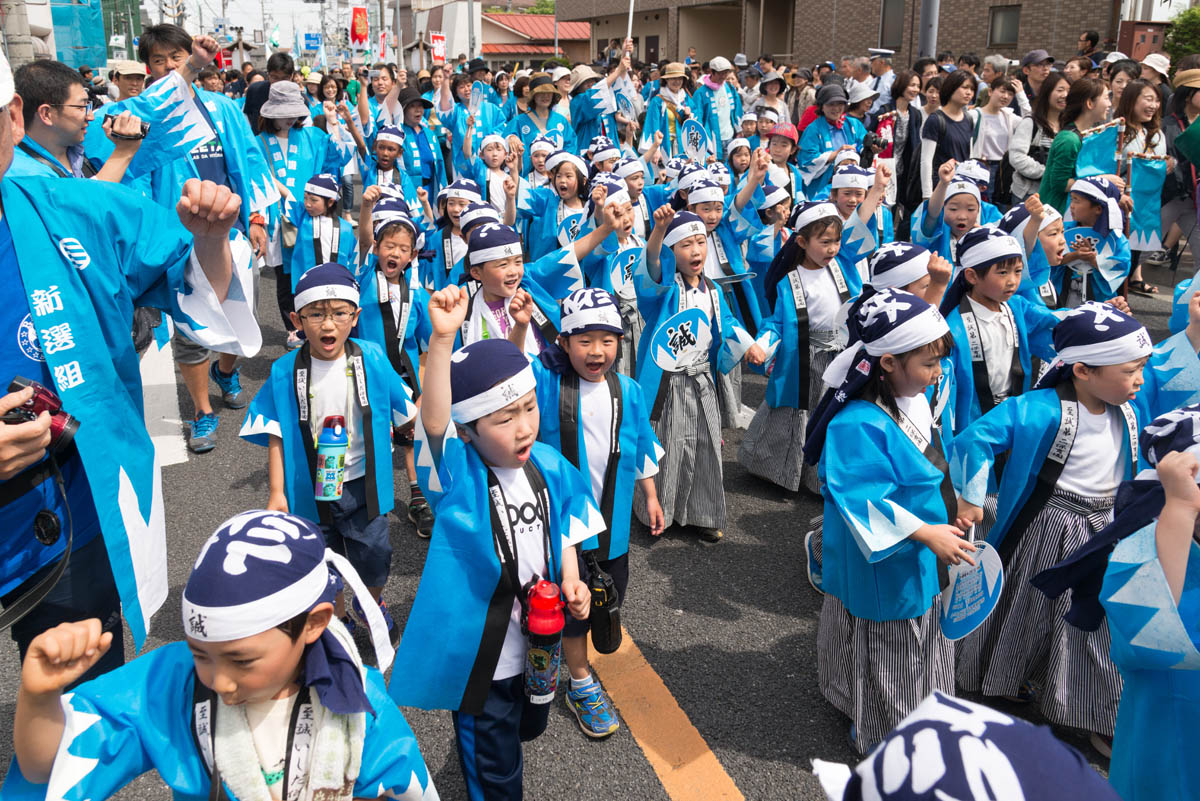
62,425
145,126
871,144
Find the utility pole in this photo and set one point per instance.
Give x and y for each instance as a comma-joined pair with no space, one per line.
16,32
470,29
927,42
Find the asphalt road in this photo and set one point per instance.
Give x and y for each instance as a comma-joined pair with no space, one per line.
731,629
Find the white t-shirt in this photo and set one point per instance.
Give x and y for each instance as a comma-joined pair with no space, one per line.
596,408
495,179
998,340
916,408
712,265
821,297
384,177
527,523
1094,468
993,136
724,113
270,724
330,392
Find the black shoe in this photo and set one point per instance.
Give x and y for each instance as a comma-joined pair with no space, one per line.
709,536
421,515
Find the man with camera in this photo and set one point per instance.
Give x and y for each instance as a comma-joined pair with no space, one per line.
80,490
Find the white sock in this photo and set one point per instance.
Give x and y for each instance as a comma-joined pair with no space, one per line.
578,684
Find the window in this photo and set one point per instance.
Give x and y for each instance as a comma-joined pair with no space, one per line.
1002,25
891,24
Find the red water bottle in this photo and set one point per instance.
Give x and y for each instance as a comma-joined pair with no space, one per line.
544,652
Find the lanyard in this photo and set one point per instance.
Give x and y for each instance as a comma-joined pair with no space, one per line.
570,408
302,381
326,227
979,369
394,331
296,754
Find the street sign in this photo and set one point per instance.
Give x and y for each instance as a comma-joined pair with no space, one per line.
117,40
258,37
312,42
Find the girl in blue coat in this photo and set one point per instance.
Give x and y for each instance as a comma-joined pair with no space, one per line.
554,213
951,210
889,505
322,235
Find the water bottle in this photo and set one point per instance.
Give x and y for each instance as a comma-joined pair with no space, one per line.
332,444
544,652
605,617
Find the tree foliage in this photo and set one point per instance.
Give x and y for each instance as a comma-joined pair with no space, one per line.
1183,36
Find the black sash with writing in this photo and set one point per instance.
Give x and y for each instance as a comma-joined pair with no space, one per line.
569,410
205,705
302,381
738,288
803,354
979,368
393,332
334,240
1055,461
448,257
508,588
931,449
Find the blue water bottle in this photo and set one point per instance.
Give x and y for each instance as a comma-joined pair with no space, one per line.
332,445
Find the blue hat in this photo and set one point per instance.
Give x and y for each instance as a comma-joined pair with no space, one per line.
486,376
1105,193
628,167
973,170
324,185
462,189
898,264
390,133
689,174
685,224
1095,334
492,241
720,173
476,213
389,206
948,748
329,281
544,144
603,149
772,196
260,569
615,186
590,310
979,249
396,218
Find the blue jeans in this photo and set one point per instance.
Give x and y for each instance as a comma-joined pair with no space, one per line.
365,543
87,589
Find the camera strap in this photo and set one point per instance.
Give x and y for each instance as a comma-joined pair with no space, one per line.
569,410
302,382
37,593
86,167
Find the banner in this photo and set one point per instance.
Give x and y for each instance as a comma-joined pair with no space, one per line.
383,44
359,30
437,42
1146,178
1098,154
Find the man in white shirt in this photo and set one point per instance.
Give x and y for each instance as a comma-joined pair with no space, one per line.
883,77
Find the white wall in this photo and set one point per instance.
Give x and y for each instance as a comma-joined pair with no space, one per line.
644,24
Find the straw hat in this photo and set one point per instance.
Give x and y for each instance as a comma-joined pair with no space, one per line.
542,83
672,70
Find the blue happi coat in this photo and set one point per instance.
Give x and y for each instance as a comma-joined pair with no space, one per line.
1184,291
637,459
1112,262
657,121
1035,324
273,412
399,177
704,105
1028,424
449,627
592,113
138,718
878,489
545,213
436,272
525,127
88,253
488,120
413,340
428,171
1154,643
303,257
816,143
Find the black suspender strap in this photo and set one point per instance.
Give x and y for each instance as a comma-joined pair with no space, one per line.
738,288
569,410
803,353
87,168
393,333
979,368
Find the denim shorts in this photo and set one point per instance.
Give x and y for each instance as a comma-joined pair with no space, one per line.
365,543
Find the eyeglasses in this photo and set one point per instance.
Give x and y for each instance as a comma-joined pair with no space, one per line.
320,317
87,107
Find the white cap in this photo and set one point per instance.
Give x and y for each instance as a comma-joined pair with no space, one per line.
314,77
558,73
1159,63
1114,57
859,91
6,81
719,64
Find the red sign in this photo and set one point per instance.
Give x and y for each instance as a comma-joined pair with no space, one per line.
358,27
437,41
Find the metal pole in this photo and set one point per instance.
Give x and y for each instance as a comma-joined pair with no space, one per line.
16,33
927,43
556,30
471,29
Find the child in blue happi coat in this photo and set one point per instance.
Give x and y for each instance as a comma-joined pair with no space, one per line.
383,166
866,223
332,375
443,263
495,171
395,316
808,284
951,210
774,206
268,686
641,195
603,154
510,511
888,529
1097,259
322,235
598,420
536,154
1039,228
738,155
554,213
977,173
781,149
541,122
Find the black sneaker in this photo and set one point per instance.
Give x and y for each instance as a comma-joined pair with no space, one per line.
709,536
421,515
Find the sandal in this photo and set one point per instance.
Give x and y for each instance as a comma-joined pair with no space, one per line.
1142,288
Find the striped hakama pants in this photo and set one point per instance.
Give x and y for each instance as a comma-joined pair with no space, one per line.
690,480
631,321
1026,637
877,672
773,447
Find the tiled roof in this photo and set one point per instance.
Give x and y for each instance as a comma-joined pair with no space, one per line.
541,26
518,50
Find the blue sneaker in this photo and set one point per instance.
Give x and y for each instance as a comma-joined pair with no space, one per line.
200,440
392,629
813,561
231,386
593,710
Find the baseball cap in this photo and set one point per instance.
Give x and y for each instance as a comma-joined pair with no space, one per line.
1035,57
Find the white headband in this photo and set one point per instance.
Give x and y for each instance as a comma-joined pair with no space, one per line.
478,257
605,154
1050,216
542,145
606,315
706,194
321,191
684,231
773,198
385,136
630,168
959,187
225,623
620,196
735,143
905,273
852,179
920,330
493,139
325,292
562,156
990,251
461,193
494,399
817,212
1128,348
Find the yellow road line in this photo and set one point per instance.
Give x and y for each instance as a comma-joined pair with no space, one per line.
686,766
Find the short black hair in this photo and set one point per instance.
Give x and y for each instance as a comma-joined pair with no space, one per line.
166,35
970,59
1093,37
44,82
84,69
945,55
281,62
921,63
952,83
767,57
207,72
